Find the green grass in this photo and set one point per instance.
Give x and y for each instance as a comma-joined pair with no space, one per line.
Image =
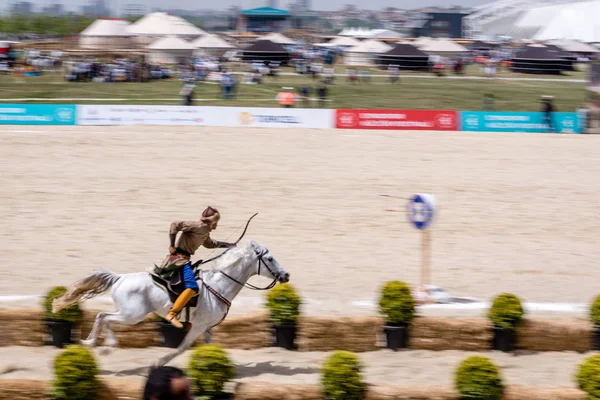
412,93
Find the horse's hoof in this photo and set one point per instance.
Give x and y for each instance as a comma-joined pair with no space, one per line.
88,343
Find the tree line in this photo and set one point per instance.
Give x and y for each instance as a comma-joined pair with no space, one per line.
18,24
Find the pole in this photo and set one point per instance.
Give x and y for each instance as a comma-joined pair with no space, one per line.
425,258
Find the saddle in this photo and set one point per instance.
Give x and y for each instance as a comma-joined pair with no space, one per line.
175,286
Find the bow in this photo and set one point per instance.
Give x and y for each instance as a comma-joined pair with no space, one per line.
198,263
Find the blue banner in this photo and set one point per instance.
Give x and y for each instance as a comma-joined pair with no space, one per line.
530,122
37,114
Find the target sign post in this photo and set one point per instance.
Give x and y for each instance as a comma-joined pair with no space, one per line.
421,211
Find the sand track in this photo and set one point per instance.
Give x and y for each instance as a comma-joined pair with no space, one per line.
518,211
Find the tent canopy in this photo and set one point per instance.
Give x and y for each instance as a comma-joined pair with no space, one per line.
171,43
277,37
107,27
212,42
370,46
163,24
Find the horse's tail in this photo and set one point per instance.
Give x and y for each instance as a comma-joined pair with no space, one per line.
86,288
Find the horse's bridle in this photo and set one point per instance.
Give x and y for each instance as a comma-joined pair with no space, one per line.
260,263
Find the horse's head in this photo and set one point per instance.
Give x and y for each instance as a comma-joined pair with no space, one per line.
267,265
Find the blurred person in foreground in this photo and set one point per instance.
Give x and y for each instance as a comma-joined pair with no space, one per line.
167,383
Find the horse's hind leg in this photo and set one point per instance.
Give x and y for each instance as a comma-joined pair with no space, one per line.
131,319
93,336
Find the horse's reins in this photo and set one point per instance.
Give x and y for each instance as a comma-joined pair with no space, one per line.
249,285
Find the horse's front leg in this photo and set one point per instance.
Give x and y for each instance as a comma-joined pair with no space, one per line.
189,340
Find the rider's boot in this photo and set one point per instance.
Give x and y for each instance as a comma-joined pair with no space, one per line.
181,301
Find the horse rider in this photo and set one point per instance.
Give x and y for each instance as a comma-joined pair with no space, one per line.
193,235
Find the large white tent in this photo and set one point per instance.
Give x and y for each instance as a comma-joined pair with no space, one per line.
369,33
277,37
159,24
170,50
443,47
211,45
572,20
344,42
365,53
106,33
573,46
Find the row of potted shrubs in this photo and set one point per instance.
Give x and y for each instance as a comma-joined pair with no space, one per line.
396,305
210,368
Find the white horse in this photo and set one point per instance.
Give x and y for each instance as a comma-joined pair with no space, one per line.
136,295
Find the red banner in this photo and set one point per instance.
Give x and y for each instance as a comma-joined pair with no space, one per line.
397,119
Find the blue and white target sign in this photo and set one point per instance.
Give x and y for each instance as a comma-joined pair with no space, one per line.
421,210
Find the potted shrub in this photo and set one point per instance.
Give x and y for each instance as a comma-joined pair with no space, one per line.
284,308
505,313
341,377
595,317
61,323
171,336
588,376
477,378
397,306
209,369
75,372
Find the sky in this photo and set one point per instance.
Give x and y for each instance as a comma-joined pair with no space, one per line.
325,5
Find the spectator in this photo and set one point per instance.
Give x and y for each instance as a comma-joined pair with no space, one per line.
548,109
322,95
167,383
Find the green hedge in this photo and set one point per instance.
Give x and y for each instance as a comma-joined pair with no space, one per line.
341,377
283,304
595,312
477,378
70,314
396,303
588,376
506,311
75,372
209,368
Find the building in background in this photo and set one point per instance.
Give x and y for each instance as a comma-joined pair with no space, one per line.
445,24
264,19
21,8
133,10
271,3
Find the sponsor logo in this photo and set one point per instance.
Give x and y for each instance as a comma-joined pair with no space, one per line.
247,118
446,121
347,120
64,114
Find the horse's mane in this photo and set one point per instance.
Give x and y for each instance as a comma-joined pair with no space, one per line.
233,255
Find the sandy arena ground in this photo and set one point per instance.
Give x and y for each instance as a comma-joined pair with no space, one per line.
416,367
518,212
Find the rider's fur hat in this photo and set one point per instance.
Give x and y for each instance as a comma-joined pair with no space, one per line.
210,215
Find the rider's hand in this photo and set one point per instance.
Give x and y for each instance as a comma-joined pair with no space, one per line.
172,250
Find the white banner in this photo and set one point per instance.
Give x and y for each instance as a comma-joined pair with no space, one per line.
140,115
270,117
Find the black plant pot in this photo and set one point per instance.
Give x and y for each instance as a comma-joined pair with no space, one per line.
61,332
285,336
396,336
597,338
504,339
172,336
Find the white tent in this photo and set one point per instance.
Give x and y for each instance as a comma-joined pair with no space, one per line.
443,47
344,42
159,24
365,52
170,50
369,33
277,37
567,21
106,33
384,33
573,46
211,45
575,21
422,41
